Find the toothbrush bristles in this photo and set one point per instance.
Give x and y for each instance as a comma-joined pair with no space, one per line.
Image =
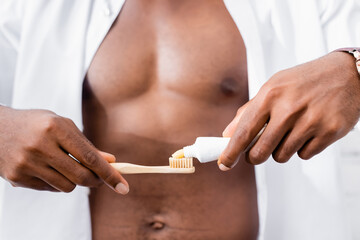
181,162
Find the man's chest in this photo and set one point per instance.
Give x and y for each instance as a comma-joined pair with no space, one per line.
191,47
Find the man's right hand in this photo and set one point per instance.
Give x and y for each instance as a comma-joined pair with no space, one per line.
34,148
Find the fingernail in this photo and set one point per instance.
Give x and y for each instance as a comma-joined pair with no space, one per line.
122,188
223,167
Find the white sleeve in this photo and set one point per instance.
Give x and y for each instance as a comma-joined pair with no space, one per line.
341,23
10,33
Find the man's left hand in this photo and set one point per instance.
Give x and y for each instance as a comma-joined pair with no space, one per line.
306,108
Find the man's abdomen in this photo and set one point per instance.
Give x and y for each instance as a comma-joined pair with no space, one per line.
167,72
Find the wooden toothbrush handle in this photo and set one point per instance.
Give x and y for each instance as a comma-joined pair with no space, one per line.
129,168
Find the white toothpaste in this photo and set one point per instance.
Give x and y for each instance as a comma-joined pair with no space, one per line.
206,149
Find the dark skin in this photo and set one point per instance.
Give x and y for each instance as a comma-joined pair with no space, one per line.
167,72
307,108
144,103
35,146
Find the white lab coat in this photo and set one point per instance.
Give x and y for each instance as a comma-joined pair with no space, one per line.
47,46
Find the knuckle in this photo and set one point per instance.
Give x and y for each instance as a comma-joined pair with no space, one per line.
311,126
334,128
312,118
68,188
305,155
280,75
68,120
34,144
272,93
50,123
288,112
272,89
17,169
287,108
239,111
20,164
282,158
84,178
263,106
226,159
286,154
284,121
257,155
91,158
290,148
111,179
331,132
13,176
31,146
241,134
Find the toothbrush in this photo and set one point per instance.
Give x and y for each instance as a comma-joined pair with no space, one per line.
176,165
205,149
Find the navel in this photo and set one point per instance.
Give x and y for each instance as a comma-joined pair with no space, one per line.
157,225
156,222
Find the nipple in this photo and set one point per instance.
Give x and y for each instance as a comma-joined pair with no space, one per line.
229,86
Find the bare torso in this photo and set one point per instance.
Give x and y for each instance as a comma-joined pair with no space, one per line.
167,72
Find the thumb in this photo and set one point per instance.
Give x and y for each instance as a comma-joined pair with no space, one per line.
229,130
107,156
121,187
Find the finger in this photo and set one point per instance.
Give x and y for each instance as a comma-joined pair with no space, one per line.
229,130
110,158
274,132
313,147
74,171
249,125
89,156
326,134
56,180
292,142
107,156
35,183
